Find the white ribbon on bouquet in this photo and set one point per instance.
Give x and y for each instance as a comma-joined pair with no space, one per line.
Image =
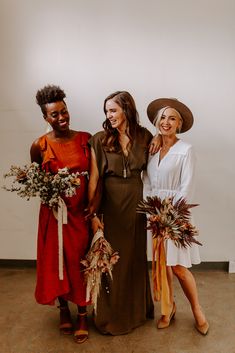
61,215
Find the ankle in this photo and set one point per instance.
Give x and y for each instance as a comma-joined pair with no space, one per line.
82,310
199,316
81,315
63,308
82,321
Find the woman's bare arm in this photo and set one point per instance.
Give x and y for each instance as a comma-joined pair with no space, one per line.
94,193
35,152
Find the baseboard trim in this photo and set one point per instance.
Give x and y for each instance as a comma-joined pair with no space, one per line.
207,266
203,266
211,266
13,263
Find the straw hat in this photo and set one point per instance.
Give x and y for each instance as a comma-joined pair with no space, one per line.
184,111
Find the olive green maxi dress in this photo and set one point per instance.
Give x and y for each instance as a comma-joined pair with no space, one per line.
125,302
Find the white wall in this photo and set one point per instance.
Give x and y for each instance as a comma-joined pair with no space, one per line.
165,48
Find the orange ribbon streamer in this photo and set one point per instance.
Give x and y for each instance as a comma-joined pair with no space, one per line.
159,275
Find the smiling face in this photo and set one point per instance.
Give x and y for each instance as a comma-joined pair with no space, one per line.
57,116
116,115
170,122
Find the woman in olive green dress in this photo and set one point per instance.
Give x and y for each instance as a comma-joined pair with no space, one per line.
119,154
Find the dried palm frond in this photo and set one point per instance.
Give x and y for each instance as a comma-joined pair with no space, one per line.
170,220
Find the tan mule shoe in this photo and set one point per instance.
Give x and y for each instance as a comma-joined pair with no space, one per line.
203,329
166,323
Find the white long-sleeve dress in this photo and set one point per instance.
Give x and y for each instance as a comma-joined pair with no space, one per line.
173,176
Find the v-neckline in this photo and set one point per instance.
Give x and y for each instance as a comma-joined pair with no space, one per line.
170,149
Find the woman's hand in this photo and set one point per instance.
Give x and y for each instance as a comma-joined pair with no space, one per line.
155,144
96,224
89,212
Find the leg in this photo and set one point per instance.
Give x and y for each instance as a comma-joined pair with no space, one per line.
81,329
189,287
170,283
63,303
66,326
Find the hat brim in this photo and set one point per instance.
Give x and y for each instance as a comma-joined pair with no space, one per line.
184,111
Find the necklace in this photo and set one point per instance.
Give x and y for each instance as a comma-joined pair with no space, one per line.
124,143
125,165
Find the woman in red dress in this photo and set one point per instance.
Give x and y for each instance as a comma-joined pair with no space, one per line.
59,148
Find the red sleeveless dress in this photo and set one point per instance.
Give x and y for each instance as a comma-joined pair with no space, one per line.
74,154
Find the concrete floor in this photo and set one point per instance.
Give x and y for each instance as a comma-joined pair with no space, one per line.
27,327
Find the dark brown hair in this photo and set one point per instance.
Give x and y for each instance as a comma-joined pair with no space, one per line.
126,102
49,94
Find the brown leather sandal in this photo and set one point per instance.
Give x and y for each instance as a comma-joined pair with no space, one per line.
66,326
81,328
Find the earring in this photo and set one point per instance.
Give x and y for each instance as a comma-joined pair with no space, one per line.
48,128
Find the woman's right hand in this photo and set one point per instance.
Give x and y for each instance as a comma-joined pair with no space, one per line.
155,144
96,224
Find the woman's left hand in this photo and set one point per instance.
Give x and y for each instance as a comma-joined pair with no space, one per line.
96,224
89,212
155,144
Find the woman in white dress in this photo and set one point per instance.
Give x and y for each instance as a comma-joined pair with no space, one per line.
170,173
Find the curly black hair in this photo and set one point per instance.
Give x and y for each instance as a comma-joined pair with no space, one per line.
49,94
